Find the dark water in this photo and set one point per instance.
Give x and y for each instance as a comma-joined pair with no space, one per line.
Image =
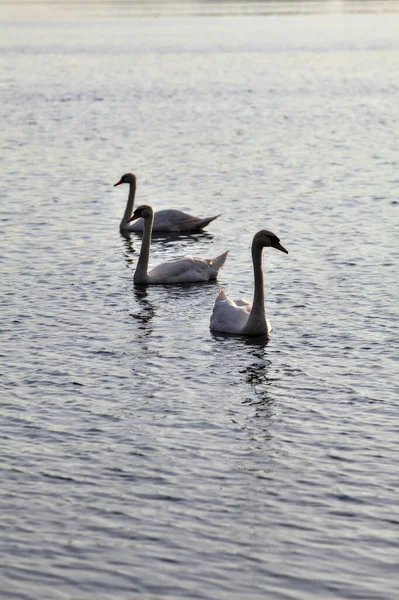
143,456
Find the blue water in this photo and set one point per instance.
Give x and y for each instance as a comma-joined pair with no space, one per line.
143,456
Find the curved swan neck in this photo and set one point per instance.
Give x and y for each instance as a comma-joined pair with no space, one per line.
141,272
129,206
257,323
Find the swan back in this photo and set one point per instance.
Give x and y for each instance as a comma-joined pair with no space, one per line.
187,269
229,316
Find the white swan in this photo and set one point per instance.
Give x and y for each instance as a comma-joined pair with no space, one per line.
240,316
164,220
178,270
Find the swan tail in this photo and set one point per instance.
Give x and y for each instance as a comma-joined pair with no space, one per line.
196,224
219,261
205,222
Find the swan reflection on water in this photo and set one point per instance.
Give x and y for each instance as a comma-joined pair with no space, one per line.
145,314
129,249
260,376
258,373
250,376
170,238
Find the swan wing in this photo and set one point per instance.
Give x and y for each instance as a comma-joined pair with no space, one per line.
229,316
174,220
243,303
186,269
177,220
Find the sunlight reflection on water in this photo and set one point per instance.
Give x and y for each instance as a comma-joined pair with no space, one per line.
141,454
37,9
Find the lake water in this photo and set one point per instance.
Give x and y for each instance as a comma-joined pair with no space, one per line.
142,456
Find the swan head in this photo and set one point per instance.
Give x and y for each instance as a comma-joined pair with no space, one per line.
127,178
265,238
144,212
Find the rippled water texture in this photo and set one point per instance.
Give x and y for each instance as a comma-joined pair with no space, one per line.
142,456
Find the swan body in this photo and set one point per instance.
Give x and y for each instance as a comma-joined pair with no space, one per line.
174,221
186,269
240,316
164,220
231,316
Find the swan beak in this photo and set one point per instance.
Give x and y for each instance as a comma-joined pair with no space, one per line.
119,182
134,217
281,247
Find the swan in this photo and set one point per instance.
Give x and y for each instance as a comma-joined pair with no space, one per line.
164,220
240,316
178,270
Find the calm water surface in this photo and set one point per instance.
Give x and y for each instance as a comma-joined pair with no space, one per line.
142,456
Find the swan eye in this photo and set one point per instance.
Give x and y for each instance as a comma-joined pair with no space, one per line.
274,240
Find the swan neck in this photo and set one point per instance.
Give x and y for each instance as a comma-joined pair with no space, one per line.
259,293
141,273
257,323
129,206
